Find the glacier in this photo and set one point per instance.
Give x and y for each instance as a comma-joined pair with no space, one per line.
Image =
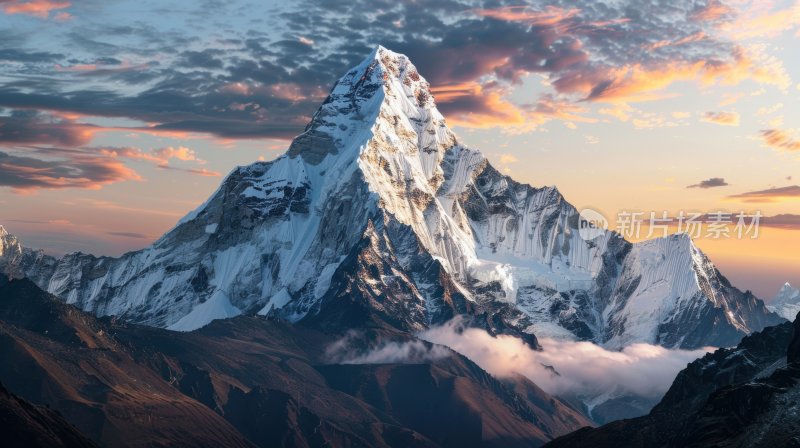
377,210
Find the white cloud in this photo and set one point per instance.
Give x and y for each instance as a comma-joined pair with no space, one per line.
347,350
583,368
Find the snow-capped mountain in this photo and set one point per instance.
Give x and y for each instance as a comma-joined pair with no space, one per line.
378,210
786,303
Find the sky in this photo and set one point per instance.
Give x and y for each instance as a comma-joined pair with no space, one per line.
118,117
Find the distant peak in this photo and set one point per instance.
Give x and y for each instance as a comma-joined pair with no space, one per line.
3,231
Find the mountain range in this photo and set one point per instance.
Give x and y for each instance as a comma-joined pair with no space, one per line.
252,381
377,213
244,382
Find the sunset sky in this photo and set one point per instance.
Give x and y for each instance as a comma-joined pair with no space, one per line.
118,117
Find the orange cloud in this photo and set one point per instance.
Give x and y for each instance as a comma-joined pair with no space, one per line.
130,153
161,158
561,19
204,172
639,82
76,68
62,17
475,106
770,195
485,106
713,11
180,153
551,15
196,171
620,111
698,36
32,128
36,8
780,140
722,118
100,70
758,23
550,106
236,88
785,221
25,174
288,91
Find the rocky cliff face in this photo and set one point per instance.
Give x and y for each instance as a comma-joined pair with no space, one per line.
378,207
793,354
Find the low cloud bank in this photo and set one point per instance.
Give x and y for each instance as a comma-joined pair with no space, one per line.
577,367
563,367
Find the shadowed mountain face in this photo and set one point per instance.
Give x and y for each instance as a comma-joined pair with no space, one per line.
747,396
255,382
56,355
23,424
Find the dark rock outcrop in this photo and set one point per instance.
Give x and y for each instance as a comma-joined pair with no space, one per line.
24,425
746,396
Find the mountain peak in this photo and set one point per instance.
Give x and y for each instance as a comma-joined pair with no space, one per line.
8,242
384,86
787,302
448,234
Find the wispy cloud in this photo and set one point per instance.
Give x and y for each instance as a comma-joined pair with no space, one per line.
197,171
761,20
24,127
786,221
713,10
769,195
722,118
548,16
350,349
61,169
130,235
36,8
710,183
780,140
29,167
